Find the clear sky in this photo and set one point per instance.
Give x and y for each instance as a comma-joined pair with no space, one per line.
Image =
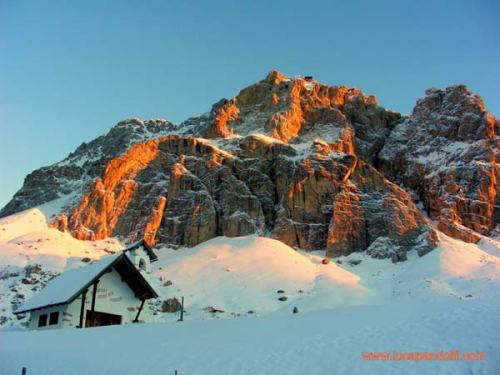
69,70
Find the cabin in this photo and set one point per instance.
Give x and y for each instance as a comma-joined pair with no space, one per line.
113,290
308,78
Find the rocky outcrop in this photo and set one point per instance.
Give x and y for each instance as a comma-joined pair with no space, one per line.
341,204
104,205
447,153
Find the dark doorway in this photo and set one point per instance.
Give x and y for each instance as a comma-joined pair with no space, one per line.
97,319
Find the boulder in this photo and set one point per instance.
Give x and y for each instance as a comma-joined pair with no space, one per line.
171,305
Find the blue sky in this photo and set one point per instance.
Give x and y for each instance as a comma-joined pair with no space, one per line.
69,70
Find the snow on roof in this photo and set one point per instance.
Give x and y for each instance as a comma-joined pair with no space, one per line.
142,243
67,286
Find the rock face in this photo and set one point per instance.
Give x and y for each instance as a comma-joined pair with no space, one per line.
315,166
184,190
447,153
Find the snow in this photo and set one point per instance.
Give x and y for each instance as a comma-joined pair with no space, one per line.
242,274
447,300
309,85
62,288
447,154
26,238
265,138
322,342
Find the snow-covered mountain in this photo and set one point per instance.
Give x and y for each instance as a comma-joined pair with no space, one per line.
289,158
376,228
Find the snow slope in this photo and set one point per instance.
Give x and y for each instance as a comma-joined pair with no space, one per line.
244,274
32,253
27,238
447,300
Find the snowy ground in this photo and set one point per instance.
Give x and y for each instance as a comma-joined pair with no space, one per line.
447,300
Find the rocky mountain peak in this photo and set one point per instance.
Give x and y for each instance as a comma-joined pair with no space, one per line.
447,153
313,165
297,110
275,78
462,114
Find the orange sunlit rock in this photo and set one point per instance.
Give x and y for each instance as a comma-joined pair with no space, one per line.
152,226
99,210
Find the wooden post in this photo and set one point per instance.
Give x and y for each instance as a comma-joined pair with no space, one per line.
23,372
139,312
94,295
182,310
82,309
175,372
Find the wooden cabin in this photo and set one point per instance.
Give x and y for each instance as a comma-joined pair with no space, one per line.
113,290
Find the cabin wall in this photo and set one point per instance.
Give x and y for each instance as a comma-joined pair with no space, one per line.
114,296
34,316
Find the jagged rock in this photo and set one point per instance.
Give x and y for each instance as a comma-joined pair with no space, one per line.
289,158
446,152
354,262
171,305
383,248
31,269
342,204
213,310
301,109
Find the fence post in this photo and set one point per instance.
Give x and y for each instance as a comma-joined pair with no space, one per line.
182,311
24,371
175,372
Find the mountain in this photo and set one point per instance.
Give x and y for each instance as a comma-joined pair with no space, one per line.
317,167
244,205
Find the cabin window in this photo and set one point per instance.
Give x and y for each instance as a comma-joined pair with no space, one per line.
42,320
142,264
54,318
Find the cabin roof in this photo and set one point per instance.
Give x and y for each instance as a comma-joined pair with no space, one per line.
149,250
68,286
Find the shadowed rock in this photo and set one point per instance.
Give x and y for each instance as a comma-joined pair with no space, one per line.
447,153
